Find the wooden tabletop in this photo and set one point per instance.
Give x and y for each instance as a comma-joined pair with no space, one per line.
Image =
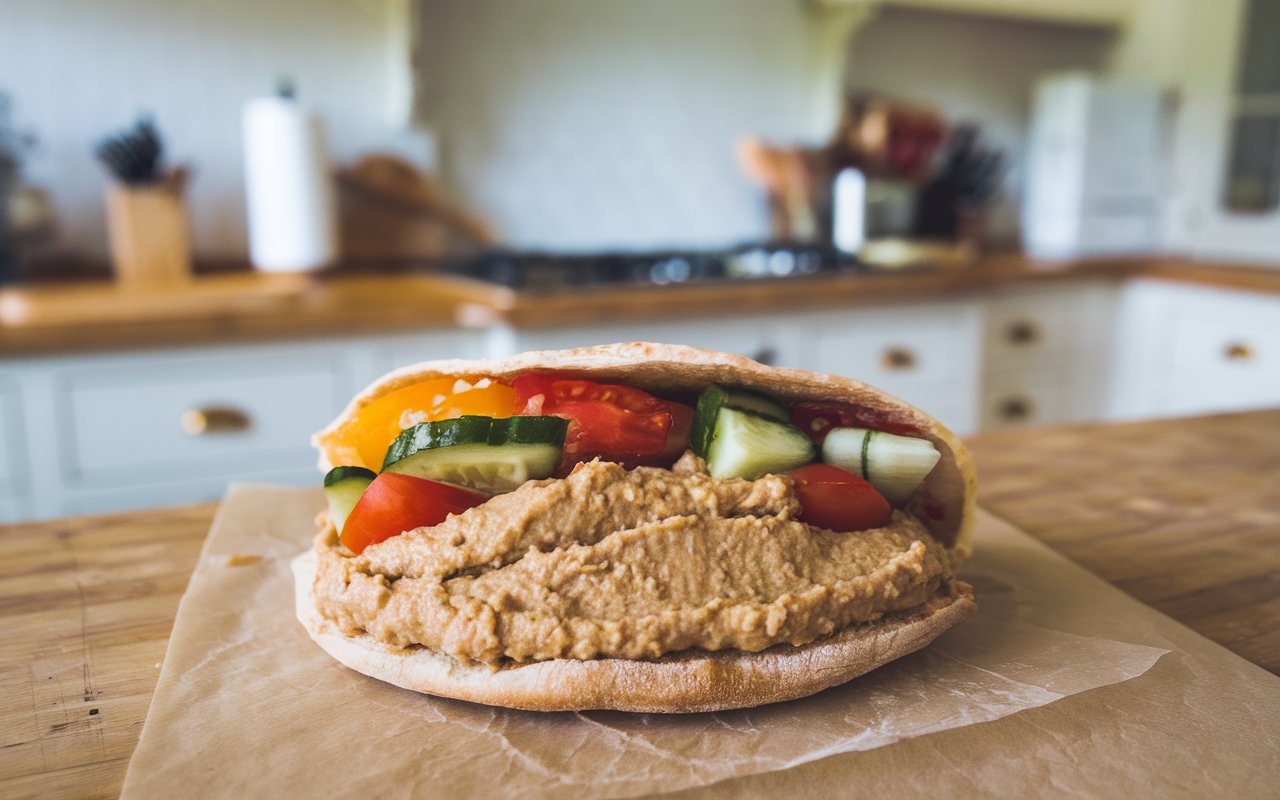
1183,514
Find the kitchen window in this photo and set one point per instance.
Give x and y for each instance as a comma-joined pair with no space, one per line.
1253,166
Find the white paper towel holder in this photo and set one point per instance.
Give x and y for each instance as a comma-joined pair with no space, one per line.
289,190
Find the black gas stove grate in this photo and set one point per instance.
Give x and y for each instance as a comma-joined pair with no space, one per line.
542,271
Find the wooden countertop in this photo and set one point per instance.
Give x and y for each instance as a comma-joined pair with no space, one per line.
1183,514
221,308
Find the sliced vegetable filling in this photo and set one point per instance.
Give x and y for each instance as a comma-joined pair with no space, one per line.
493,455
439,461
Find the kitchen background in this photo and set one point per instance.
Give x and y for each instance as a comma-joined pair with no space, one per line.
1010,212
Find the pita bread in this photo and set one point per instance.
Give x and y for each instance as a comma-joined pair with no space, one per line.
689,681
683,683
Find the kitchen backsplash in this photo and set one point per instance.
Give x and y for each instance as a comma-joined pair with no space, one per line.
588,123
581,124
78,69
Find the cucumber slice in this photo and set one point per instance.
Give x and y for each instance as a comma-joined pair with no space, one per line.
756,403
714,398
895,465
342,488
746,445
486,453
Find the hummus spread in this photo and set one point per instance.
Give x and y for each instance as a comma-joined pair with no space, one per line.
627,564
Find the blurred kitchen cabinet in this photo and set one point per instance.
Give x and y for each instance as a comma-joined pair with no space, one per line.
1093,13
1047,354
761,338
12,478
925,353
100,433
1184,349
401,351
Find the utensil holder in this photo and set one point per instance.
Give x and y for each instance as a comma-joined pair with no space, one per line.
148,231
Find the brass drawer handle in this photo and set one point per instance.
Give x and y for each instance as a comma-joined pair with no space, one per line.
212,420
898,358
1022,332
1238,351
1015,409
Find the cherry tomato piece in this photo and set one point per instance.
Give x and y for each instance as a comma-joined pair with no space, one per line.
617,423
838,500
817,419
395,503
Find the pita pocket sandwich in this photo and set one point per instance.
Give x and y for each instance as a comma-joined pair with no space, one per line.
637,527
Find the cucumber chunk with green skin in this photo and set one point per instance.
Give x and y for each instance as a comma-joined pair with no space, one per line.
746,445
486,453
756,403
714,398
895,465
342,488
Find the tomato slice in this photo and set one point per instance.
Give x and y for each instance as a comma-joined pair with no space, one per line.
395,503
838,500
613,422
818,418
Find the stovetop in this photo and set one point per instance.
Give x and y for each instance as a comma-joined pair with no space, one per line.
543,271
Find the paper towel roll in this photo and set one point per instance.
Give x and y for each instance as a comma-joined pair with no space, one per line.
288,186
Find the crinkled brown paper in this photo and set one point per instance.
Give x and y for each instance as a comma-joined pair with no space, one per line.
248,706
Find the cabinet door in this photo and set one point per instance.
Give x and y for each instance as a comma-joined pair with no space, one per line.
12,477
756,338
927,355
214,413
1047,354
1195,350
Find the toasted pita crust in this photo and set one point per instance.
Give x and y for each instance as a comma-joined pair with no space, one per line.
945,502
684,683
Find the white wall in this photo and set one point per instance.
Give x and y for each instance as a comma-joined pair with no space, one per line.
78,69
610,123
972,68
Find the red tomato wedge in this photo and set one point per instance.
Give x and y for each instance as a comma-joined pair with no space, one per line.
395,503
838,500
817,419
616,423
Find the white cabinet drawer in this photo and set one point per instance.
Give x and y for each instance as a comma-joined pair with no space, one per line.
897,353
1021,402
431,346
754,338
1022,330
184,492
11,437
1230,355
12,510
126,422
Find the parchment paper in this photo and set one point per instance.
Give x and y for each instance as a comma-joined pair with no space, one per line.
248,705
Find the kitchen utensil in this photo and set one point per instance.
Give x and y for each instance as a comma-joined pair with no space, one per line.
788,174
148,231
391,209
133,155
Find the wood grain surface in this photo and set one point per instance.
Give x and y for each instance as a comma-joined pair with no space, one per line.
87,605
221,309
1184,514
254,306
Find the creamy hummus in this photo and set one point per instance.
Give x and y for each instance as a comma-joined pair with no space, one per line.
628,564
